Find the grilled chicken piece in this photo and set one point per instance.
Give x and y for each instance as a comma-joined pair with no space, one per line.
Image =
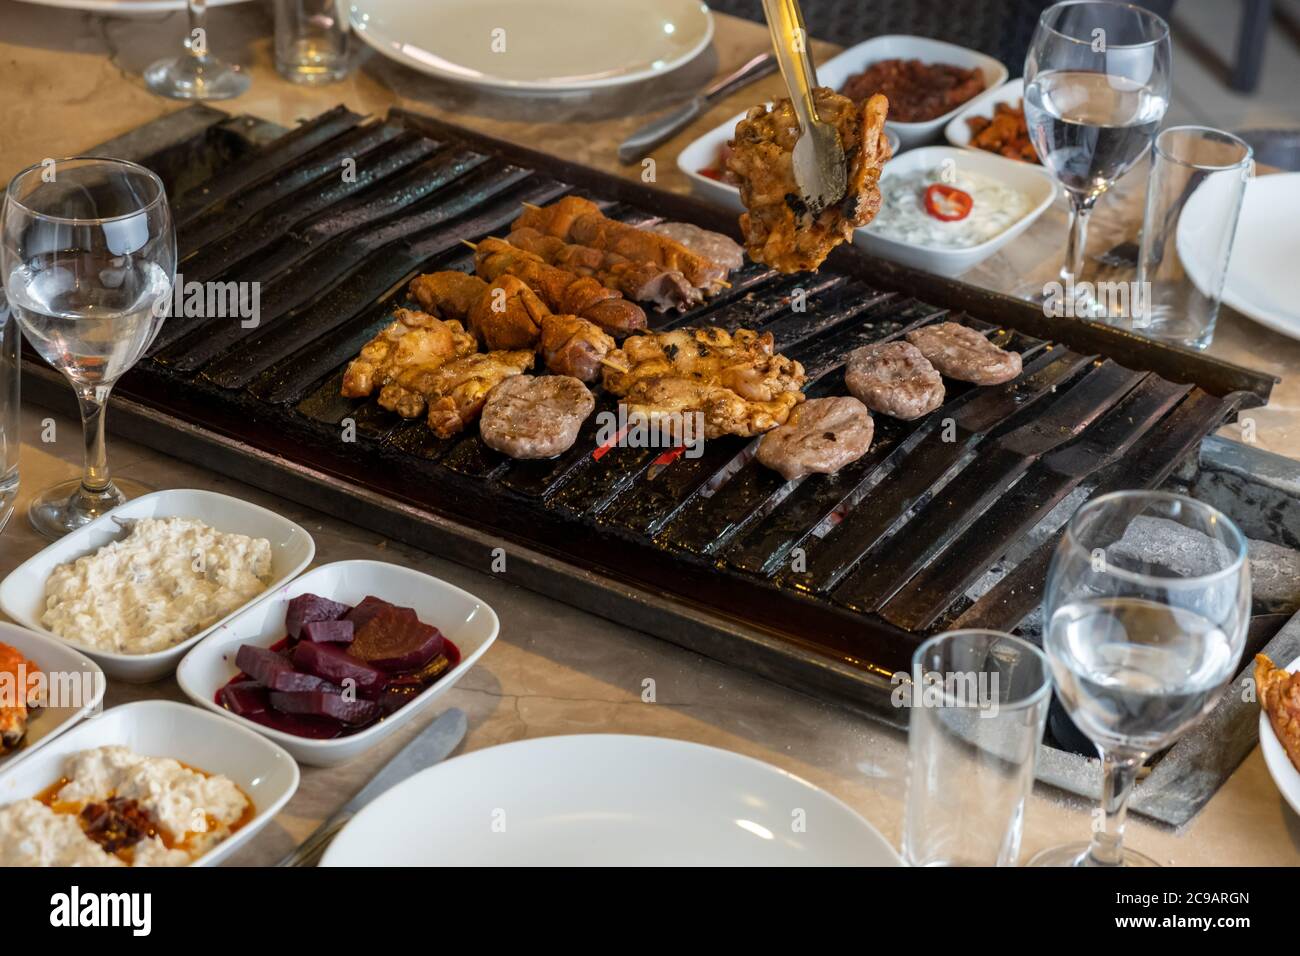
780,229
711,245
454,393
508,315
451,294
580,221
527,417
822,436
1279,697
573,346
561,290
18,707
894,378
665,398
416,340
962,353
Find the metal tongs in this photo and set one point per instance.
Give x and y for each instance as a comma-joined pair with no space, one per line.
819,167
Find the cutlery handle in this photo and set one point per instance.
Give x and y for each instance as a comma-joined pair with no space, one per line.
790,40
752,69
310,852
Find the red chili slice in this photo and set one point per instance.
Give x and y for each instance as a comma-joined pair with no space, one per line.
948,203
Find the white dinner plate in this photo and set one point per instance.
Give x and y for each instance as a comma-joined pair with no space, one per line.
125,6
607,800
1279,764
526,45
1261,282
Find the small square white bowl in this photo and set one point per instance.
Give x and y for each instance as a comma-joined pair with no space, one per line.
74,688
836,71
463,619
1033,181
164,728
22,593
957,132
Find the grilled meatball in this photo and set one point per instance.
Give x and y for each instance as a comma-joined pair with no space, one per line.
528,417
894,378
962,353
822,435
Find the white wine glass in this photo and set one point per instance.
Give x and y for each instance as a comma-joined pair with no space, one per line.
1145,615
1096,91
196,74
88,258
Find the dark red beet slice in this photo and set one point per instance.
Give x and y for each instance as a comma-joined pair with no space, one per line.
328,632
275,671
369,607
332,663
247,699
320,704
394,641
311,607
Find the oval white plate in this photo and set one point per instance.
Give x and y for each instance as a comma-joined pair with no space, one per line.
1261,281
74,688
527,45
1279,764
607,800
125,6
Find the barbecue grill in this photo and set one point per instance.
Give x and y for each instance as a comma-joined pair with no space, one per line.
826,585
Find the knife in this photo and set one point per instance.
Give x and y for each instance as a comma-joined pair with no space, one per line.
429,746
656,131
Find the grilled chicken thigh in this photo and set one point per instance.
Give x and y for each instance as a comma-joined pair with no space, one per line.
454,393
415,342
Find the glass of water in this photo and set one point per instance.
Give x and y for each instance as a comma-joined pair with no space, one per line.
88,257
10,440
979,703
196,74
1096,90
1198,180
311,40
1146,609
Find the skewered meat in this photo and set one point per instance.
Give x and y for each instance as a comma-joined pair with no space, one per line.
573,346
780,229
894,378
15,711
415,341
452,294
962,353
822,436
508,315
642,281
454,393
1279,697
561,290
580,221
713,246
527,417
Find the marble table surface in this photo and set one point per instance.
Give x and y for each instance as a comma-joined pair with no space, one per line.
73,79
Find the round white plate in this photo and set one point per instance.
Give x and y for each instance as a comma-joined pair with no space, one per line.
1279,764
527,45
1261,282
607,800
125,6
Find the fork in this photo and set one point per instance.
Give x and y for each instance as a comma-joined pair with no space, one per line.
818,155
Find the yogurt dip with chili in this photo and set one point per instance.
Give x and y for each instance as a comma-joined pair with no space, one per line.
905,215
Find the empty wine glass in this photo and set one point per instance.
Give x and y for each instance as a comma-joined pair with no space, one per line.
88,257
196,74
1145,615
1096,90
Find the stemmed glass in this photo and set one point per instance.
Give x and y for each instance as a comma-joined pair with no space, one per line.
1096,90
88,257
1146,610
196,74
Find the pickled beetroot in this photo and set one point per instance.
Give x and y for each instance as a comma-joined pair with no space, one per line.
332,663
311,607
371,606
274,671
393,641
247,699
328,632
333,706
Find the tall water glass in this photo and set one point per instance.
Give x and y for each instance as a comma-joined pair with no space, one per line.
1198,180
1096,90
311,40
88,257
979,704
1146,608
10,440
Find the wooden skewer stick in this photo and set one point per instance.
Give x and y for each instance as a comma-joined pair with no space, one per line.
614,365
472,245
529,205
724,283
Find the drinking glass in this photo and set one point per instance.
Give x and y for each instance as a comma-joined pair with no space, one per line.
1096,90
1198,180
10,439
88,256
1146,609
196,74
311,41
979,705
